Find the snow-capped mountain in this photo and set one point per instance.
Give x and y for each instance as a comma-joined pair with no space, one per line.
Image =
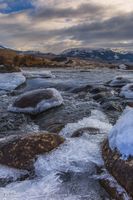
99,54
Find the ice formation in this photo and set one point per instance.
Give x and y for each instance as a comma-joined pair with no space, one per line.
37,74
10,81
77,156
97,120
127,91
121,135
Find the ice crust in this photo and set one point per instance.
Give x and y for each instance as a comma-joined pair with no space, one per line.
10,81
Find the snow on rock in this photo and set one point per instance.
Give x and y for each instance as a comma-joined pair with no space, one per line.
36,101
96,122
121,135
37,74
10,81
119,81
127,91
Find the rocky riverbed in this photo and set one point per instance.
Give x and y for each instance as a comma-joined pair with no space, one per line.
90,104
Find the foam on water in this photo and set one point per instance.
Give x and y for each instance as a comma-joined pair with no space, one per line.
65,173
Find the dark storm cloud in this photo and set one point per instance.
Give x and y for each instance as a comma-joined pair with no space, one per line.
52,13
116,28
94,26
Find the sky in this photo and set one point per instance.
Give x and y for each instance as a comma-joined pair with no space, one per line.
56,25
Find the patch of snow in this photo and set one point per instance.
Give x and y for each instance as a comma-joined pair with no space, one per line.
127,91
121,135
10,81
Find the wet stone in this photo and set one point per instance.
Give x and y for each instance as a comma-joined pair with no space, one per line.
21,151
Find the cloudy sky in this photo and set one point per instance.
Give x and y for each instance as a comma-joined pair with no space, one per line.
55,25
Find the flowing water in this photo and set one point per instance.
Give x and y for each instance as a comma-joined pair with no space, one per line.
69,172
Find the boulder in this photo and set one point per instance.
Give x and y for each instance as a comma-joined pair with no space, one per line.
121,169
36,101
21,151
118,82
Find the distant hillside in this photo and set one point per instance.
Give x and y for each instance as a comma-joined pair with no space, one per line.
76,58
11,57
99,54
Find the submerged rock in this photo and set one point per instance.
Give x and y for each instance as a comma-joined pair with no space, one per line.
36,101
88,130
21,151
127,91
100,89
112,106
118,82
84,88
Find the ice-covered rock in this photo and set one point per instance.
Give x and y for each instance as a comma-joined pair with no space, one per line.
20,152
122,170
10,81
117,151
36,101
118,81
121,135
127,91
38,74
